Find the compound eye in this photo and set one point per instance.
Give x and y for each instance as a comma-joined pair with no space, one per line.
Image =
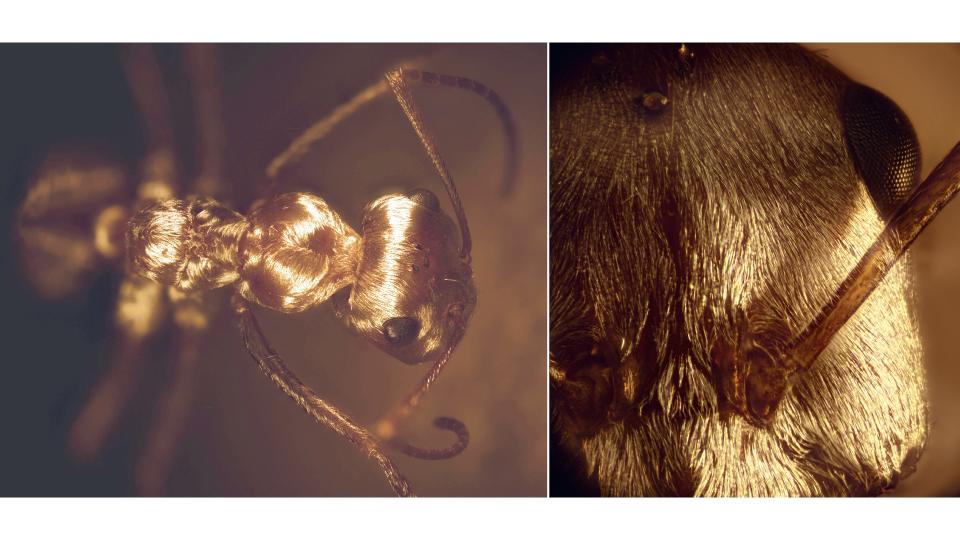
401,330
424,197
883,145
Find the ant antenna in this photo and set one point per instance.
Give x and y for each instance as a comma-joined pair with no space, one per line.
442,422
760,393
387,427
321,411
301,145
397,81
511,147
904,226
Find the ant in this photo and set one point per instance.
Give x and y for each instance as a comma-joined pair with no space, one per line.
404,281
730,301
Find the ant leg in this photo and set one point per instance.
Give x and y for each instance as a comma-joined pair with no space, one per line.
102,410
146,83
140,301
69,184
69,220
192,317
140,310
203,68
323,412
153,467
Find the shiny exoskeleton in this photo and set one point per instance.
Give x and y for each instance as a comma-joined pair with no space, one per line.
411,292
721,217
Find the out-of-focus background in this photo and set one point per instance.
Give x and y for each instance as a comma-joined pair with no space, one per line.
924,79
243,436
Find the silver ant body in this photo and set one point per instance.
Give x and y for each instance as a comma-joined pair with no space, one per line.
407,277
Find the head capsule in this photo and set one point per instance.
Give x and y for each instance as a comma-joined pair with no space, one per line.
413,292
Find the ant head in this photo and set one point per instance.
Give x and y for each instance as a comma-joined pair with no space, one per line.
414,292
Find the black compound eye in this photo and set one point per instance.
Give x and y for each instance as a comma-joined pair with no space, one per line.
424,197
883,145
401,330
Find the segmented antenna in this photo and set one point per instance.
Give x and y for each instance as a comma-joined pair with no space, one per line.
302,144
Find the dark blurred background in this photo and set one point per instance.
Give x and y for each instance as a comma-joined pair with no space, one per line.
243,436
